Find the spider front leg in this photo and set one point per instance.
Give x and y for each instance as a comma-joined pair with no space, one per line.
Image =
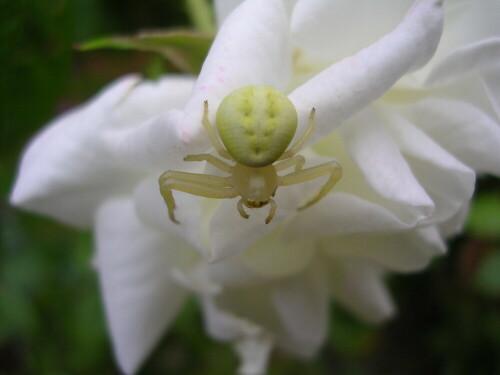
222,165
332,168
211,134
302,140
297,161
193,183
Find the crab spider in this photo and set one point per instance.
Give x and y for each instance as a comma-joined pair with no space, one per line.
255,124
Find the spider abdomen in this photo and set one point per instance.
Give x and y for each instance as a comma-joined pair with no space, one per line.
256,124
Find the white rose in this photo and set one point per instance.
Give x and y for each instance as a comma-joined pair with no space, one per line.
409,140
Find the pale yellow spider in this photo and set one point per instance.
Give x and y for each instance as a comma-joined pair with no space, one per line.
256,124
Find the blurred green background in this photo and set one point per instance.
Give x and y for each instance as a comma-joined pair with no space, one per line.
51,320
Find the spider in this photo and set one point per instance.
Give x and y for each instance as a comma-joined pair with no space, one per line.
255,124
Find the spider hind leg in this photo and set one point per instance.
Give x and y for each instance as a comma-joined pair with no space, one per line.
332,168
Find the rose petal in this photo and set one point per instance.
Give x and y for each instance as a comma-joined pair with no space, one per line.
302,304
140,298
252,39
449,189
224,324
273,257
226,242
66,171
253,344
254,354
348,86
157,142
481,55
491,81
151,208
252,341
223,9
340,213
231,272
151,98
469,89
404,251
478,17
464,130
449,183
356,208
319,26
467,22
358,286
235,311
385,169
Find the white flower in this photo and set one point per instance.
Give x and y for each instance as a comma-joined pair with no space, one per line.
409,139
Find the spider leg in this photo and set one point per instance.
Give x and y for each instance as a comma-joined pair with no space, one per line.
210,159
271,211
302,140
332,168
241,210
193,183
297,161
211,134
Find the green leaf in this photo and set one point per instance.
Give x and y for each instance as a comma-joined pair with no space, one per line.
201,14
184,49
484,218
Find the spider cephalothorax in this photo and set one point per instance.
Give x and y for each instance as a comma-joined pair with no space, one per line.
256,125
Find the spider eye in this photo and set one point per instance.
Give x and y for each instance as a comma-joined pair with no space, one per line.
256,124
